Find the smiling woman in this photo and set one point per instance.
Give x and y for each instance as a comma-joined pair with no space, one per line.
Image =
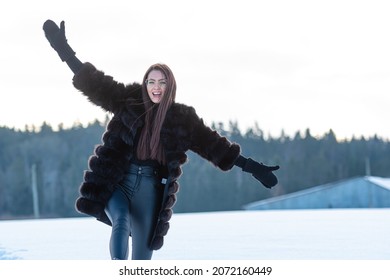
133,177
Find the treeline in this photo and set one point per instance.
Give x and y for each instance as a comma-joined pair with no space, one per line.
53,162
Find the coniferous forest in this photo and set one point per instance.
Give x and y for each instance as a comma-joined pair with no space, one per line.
50,163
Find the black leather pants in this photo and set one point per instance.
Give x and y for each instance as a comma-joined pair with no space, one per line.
134,208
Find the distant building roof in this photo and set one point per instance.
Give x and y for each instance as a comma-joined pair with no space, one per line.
383,182
361,192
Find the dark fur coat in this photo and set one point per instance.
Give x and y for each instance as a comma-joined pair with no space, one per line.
182,130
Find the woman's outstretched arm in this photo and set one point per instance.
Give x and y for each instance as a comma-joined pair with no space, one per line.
101,89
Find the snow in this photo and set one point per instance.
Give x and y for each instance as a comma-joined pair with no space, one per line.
331,234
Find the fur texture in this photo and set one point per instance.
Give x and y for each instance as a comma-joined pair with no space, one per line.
182,130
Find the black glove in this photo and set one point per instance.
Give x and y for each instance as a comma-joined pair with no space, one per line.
57,39
260,171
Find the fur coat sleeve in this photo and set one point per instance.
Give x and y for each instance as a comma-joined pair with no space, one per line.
187,131
104,91
212,146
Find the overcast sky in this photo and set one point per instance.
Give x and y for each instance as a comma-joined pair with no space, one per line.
284,64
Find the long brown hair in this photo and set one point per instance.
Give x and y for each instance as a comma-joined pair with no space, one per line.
149,145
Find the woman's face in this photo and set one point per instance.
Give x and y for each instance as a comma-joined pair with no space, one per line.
156,85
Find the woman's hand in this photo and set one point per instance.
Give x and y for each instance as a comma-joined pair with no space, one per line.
261,172
57,39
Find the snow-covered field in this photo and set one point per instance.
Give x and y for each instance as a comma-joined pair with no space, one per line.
338,234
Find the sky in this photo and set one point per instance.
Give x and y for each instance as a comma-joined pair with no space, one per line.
285,65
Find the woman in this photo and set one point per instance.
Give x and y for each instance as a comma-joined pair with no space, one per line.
132,181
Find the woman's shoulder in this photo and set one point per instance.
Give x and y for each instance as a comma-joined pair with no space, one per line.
181,109
181,115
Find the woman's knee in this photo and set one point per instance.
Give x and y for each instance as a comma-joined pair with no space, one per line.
121,222
117,210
